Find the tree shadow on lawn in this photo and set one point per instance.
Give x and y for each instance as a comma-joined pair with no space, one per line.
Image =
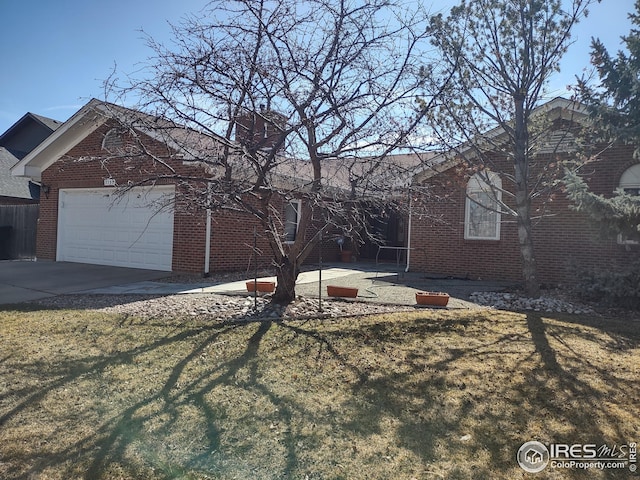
202,415
131,424
93,456
597,367
486,389
438,395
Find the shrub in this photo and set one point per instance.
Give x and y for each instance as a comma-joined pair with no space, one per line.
617,287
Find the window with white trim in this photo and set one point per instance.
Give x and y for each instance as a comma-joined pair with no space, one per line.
630,184
482,207
113,141
121,142
291,220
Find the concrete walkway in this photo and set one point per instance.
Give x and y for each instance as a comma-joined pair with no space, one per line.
373,283
400,288
164,288
26,281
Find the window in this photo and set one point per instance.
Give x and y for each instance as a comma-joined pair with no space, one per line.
482,207
630,183
630,180
291,220
113,141
120,142
558,141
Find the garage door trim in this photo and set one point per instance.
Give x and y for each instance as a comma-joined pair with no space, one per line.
92,228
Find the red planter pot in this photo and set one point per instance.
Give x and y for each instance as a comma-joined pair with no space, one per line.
436,299
263,287
335,291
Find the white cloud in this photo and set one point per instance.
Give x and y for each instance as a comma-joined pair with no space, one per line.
63,107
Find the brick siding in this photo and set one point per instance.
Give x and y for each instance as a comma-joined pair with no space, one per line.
563,238
232,233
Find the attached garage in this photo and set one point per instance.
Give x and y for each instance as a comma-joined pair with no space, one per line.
100,227
82,217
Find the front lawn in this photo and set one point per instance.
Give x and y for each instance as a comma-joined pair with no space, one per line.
430,394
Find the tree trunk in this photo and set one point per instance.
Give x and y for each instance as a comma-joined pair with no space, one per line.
523,201
525,238
286,275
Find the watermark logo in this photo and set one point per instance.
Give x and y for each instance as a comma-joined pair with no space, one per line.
533,457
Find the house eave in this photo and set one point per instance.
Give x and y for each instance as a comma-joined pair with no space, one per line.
85,121
556,109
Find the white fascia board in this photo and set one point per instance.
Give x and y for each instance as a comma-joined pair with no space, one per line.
74,130
32,172
560,107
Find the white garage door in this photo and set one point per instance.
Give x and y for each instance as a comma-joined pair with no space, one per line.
96,226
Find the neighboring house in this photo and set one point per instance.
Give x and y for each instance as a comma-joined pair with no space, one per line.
465,235
19,197
14,191
20,139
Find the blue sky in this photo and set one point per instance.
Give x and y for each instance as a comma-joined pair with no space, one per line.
56,54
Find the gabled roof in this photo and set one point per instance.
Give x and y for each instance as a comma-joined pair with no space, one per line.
83,122
15,143
380,175
47,122
44,126
557,109
204,149
94,114
11,186
50,123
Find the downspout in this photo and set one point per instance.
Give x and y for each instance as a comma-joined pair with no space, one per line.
207,239
409,235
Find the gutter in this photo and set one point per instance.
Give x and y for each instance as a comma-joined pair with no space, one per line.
207,238
409,235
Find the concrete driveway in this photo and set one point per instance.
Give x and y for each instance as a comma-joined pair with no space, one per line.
23,281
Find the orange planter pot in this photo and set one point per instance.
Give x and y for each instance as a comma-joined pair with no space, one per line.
335,291
263,287
436,299
346,256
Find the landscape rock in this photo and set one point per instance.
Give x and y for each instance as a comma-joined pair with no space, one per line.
218,307
512,301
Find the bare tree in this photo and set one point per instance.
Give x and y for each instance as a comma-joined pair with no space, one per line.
502,54
301,100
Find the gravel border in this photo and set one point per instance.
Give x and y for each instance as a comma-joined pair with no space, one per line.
218,307
393,297
549,303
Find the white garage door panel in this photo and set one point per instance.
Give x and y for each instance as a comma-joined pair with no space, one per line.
96,227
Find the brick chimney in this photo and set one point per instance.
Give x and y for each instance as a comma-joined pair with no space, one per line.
260,131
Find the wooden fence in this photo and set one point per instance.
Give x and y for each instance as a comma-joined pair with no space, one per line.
18,225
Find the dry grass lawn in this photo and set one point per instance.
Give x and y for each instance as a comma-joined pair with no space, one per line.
430,394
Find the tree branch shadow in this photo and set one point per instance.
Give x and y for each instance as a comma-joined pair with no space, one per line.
461,383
